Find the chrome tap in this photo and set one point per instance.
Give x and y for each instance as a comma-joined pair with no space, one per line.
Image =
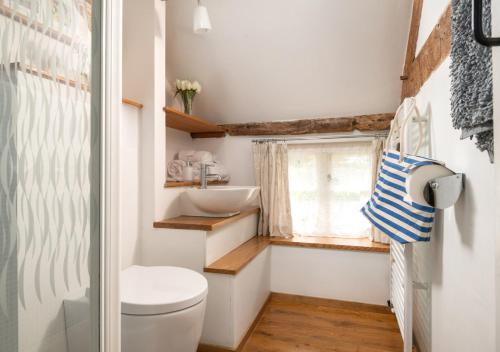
203,175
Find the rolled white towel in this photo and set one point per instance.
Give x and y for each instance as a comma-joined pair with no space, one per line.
195,156
175,169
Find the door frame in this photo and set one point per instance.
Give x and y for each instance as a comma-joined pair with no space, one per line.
495,10
111,82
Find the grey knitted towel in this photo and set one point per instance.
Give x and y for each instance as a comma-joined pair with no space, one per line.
471,77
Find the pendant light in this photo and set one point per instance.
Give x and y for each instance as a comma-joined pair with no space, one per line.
201,22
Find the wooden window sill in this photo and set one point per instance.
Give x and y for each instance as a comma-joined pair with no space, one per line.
348,244
233,262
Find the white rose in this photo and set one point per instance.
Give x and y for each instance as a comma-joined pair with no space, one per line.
189,85
197,86
177,84
184,85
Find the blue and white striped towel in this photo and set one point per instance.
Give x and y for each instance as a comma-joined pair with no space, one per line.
389,209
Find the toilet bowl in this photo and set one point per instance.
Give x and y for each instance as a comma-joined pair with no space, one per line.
163,309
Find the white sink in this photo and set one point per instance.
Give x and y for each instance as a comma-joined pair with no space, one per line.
222,201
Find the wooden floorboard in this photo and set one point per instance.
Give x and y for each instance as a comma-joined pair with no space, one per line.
294,323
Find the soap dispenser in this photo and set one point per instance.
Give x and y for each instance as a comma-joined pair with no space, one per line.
187,172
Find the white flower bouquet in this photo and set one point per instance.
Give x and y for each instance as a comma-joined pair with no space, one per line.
187,91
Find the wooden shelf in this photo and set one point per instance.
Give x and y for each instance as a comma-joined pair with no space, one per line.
132,102
201,223
171,184
190,123
233,262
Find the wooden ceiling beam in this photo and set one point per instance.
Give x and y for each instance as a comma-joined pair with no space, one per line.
434,51
411,47
364,123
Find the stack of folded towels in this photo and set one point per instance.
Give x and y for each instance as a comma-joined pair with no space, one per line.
175,169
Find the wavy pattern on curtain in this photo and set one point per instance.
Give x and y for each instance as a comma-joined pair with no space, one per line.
44,157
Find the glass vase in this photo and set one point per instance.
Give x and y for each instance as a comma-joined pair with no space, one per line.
187,100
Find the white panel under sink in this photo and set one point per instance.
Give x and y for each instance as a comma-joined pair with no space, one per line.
252,287
234,302
218,328
223,240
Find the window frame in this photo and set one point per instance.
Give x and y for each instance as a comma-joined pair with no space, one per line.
334,140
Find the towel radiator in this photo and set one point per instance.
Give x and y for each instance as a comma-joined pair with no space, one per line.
402,290
410,271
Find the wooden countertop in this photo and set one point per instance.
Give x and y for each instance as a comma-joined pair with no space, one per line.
171,184
201,223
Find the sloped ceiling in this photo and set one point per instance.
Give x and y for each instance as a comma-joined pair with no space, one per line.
270,60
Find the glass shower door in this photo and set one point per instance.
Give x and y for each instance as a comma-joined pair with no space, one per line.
49,176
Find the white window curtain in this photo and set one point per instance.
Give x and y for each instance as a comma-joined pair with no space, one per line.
329,184
377,150
271,175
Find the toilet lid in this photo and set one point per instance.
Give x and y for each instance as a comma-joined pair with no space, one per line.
160,289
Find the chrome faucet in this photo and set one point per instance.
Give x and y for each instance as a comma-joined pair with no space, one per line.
204,174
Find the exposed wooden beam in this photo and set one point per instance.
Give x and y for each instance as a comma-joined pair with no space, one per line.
376,122
295,127
208,134
411,47
435,50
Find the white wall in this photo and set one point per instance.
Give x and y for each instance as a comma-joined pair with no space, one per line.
282,59
177,140
463,253
144,81
463,244
129,185
333,274
431,12
235,153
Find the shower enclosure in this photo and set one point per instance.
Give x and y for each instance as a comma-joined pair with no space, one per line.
50,189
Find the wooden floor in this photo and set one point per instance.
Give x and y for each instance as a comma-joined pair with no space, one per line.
293,323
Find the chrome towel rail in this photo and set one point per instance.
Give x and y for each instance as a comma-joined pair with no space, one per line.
482,38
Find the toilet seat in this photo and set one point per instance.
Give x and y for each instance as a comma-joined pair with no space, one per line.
160,289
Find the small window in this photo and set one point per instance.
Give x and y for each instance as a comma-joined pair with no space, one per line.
329,184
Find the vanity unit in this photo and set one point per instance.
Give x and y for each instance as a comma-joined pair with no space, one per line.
235,296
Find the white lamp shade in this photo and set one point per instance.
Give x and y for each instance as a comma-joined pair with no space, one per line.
201,22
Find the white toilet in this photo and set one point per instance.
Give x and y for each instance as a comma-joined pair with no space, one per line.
163,309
